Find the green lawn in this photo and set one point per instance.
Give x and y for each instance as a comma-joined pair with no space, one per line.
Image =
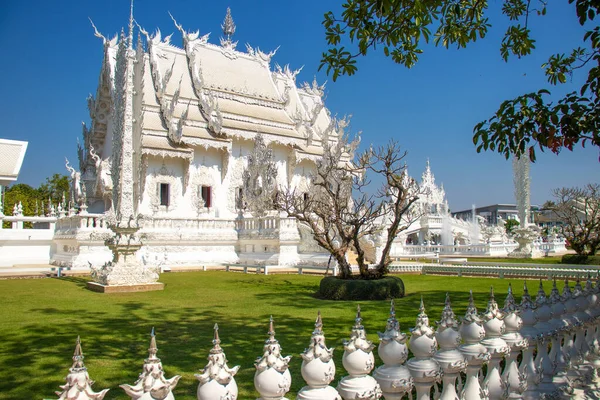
41,318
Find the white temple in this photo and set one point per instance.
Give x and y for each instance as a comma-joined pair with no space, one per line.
184,122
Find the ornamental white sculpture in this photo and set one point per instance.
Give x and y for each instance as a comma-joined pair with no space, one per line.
523,235
358,360
151,384
528,367
545,330
217,379
318,368
393,377
516,382
424,369
272,378
493,323
472,332
79,384
448,356
559,324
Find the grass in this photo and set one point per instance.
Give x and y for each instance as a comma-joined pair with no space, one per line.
40,320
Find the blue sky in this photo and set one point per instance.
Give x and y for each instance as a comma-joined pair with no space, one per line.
51,61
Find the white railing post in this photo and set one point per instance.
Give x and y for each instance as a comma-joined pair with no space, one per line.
217,379
393,376
472,331
318,368
272,378
450,359
359,361
423,368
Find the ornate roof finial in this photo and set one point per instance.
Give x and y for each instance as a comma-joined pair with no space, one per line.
78,355
318,324
271,332
153,349
216,341
448,318
393,309
566,293
541,294
130,36
228,27
588,283
509,303
526,301
358,319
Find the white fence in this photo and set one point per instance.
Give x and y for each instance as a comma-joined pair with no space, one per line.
547,347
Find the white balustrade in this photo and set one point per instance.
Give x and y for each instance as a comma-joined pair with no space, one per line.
488,338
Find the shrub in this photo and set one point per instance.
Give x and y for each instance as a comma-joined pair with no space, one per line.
580,259
334,288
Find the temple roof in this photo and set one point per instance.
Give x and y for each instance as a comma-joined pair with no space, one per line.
12,153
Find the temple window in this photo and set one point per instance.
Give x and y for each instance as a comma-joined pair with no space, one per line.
239,198
305,197
164,194
205,192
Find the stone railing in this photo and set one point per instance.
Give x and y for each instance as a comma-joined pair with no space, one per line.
196,224
81,221
545,271
488,249
258,224
38,222
547,347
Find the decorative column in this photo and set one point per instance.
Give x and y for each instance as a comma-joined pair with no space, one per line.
529,332
217,379
596,346
151,383
560,324
124,273
318,368
543,362
581,347
393,376
593,311
79,384
450,359
569,333
517,382
494,328
358,360
472,332
423,344
272,378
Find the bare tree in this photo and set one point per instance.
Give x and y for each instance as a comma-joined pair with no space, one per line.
578,209
342,213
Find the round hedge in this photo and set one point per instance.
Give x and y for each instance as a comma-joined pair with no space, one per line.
580,259
334,288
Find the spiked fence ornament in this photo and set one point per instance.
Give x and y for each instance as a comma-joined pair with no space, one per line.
79,384
151,384
217,379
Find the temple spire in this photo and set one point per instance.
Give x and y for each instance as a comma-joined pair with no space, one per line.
130,36
228,27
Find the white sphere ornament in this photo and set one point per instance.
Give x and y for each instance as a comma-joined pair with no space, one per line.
393,377
272,378
424,370
358,360
318,368
217,379
151,384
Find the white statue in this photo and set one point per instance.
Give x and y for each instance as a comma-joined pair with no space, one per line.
75,181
